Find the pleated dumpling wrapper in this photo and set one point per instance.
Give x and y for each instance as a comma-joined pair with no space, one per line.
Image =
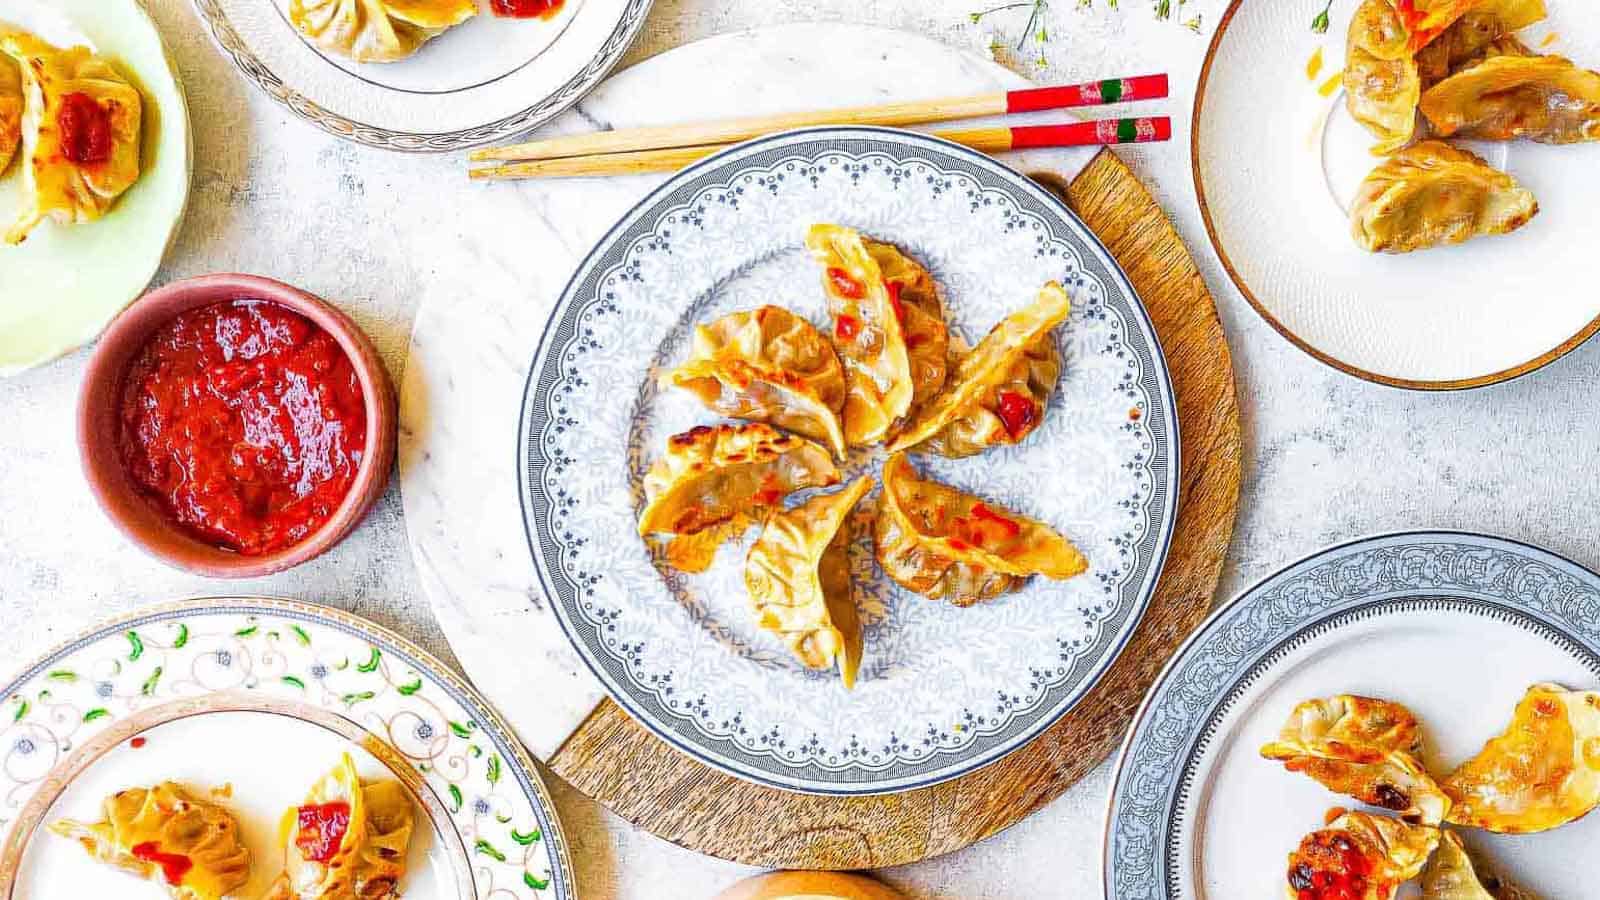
1541,98
1359,857
81,126
1434,194
768,365
879,386
10,110
1363,748
164,834
947,544
798,579
914,297
1486,30
709,475
1541,773
1381,81
347,840
1450,875
377,30
1001,389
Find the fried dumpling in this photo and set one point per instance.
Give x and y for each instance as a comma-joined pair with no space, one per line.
381,859
768,365
1359,857
867,332
377,30
1542,98
167,835
1000,390
81,126
347,841
1450,875
709,475
798,579
1434,194
947,544
10,110
1382,94
915,299
1541,773
1486,30
1363,748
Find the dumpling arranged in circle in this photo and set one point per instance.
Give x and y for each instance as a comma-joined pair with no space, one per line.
1359,857
1542,772
768,365
947,544
1433,194
167,835
798,579
710,475
1363,748
81,126
377,30
1506,97
999,392
1451,875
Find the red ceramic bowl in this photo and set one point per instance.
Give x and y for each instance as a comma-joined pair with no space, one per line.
138,518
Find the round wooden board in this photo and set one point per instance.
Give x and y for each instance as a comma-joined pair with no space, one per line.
617,762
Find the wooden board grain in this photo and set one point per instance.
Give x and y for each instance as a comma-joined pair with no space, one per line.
620,764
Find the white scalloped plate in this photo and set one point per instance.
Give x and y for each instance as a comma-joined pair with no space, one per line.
262,696
1276,165
60,287
484,80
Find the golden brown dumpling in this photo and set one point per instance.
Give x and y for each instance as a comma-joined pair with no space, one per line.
1541,773
347,841
1486,30
947,544
798,579
1363,748
1434,194
80,134
10,110
768,365
1450,875
709,475
1542,98
880,389
1001,389
167,835
1360,857
377,30
915,299
1381,81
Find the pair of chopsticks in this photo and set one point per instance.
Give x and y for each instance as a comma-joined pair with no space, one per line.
668,148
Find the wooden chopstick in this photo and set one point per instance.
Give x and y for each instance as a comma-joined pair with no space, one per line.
984,140
1093,93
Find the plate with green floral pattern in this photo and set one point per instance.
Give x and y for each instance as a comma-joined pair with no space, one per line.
249,702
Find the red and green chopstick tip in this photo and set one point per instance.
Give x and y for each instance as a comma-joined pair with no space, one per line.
1091,93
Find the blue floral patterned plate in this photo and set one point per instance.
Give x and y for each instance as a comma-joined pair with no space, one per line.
261,697
1454,626
942,690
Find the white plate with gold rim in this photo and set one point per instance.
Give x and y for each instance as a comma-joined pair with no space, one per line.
262,696
60,287
1277,164
481,81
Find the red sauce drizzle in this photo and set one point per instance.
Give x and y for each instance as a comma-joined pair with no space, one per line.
1006,526
244,423
846,328
1335,869
320,829
894,301
526,9
1018,412
844,285
85,129
173,865
137,742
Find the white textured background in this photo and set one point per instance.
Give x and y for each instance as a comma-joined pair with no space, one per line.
1327,457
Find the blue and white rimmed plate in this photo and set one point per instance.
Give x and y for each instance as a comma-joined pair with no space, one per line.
262,696
1454,626
942,691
